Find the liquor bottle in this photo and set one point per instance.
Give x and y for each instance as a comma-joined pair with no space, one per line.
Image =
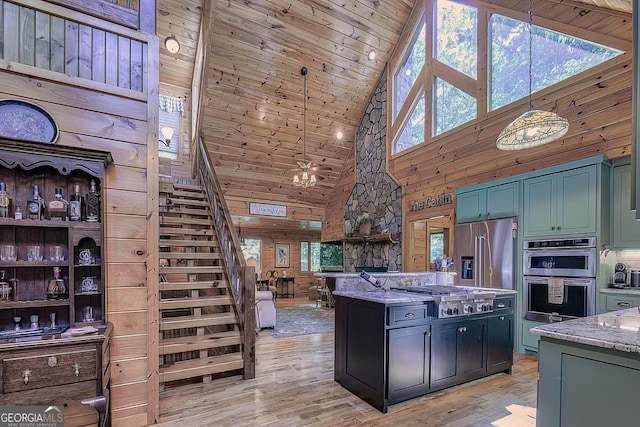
56,288
35,205
93,203
58,207
76,205
5,201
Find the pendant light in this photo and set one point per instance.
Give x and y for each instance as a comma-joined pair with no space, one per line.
305,175
534,127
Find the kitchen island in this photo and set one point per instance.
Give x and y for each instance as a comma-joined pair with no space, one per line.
590,371
392,346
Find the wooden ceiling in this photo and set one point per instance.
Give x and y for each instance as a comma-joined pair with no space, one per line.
253,110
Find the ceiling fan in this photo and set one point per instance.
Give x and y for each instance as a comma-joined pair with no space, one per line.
307,173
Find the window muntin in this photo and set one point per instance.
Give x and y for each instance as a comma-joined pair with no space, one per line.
251,251
407,73
457,36
453,107
412,131
555,57
309,256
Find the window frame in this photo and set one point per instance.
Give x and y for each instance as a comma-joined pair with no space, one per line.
309,261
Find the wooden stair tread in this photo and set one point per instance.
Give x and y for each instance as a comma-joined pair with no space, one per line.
186,243
178,210
203,366
185,220
188,187
191,255
202,284
200,342
189,202
181,322
185,194
186,231
215,269
208,301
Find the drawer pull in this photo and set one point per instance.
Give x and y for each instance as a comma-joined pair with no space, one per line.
500,305
462,329
624,304
501,317
76,369
52,361
25,375
410,315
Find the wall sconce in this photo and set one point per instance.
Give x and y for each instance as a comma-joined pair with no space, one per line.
167,133
172,44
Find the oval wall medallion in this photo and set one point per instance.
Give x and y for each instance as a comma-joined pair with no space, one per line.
26,121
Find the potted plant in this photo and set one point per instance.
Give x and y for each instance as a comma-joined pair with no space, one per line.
364,223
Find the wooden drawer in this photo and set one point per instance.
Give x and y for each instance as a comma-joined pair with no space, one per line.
48,369
407,314
620,302
502,304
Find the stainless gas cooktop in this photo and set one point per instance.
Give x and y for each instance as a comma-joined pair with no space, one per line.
453,301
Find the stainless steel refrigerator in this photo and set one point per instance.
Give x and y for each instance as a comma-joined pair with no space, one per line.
484,253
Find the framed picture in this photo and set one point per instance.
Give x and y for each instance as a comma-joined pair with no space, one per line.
282,255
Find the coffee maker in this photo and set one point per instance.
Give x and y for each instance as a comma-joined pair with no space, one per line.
620,274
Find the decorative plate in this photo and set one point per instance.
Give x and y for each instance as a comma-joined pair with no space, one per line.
26,121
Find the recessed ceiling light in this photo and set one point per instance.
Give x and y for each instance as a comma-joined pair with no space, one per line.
371,55
339,135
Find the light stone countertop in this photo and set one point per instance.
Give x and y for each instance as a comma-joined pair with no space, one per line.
626,291
619,330
390,296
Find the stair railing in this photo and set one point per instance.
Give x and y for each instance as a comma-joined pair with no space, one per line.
242,278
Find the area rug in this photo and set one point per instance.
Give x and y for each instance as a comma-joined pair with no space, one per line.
303,320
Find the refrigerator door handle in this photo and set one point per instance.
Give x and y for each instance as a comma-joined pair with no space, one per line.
476,260
481,261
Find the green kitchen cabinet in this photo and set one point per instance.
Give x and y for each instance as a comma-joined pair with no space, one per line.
529,340
562,203
626,229
619,301
586,385
499,201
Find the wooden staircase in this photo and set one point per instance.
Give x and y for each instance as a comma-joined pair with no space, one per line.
199,332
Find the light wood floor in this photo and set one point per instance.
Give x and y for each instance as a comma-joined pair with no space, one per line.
294,387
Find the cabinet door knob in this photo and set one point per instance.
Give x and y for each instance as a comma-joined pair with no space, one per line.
52,361
25,375
428,334
558,228
76,369
480,215
553,228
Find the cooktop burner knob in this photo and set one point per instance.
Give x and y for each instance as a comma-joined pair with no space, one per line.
455,311
471,309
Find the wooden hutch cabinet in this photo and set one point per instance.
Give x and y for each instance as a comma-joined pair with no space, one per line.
54,342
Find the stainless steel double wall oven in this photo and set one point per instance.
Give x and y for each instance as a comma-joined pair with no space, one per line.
559,279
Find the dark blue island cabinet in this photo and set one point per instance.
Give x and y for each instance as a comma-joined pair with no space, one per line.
386,353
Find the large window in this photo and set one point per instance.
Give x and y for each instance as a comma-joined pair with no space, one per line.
555,57
309,256
170,115
438,85
251,251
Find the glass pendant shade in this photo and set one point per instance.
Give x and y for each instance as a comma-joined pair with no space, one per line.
531,129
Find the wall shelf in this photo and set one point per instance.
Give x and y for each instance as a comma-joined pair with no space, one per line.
375,238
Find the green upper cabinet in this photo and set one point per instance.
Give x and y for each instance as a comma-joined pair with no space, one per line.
626,230
499,201
562,204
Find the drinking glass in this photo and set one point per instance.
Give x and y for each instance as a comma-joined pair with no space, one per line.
7,253
56,253
33,253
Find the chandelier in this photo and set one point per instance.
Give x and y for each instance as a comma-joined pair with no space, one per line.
534,127
304,175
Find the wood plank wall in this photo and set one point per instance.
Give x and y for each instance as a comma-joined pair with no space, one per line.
69,44
268,250
597,104
119,119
